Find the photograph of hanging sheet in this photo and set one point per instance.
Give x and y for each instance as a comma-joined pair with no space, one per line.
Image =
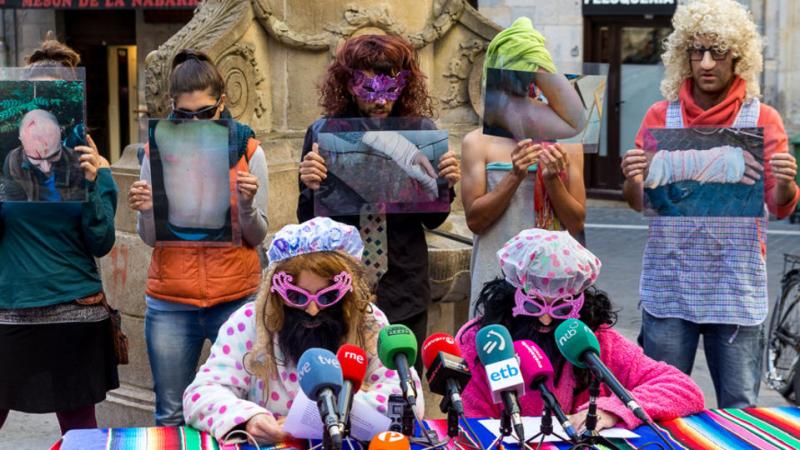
192,164
704,172
394,171
42,120
547,107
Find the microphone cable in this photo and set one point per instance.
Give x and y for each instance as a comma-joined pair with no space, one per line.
471,433
660,434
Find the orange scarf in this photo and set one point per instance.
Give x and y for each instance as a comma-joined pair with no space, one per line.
722,114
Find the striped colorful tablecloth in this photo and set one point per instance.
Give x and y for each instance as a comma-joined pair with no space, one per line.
723,429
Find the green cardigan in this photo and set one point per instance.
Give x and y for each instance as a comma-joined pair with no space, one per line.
47,250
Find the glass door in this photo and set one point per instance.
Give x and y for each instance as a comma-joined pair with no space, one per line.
631,46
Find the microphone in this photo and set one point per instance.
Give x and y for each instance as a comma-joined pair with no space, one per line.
353,361
447,373
496,352
537,368
579,346
389,440
321,380
397,350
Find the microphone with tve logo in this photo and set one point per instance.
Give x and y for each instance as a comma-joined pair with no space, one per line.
496,352
354,366
321,380
537,371
389,440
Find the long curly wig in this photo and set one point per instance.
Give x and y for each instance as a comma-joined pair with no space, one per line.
730,26
382,54
494,306
362,329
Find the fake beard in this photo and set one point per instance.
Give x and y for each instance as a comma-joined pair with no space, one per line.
301,331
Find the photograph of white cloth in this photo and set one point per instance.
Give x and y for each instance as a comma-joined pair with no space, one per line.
723,164
405,154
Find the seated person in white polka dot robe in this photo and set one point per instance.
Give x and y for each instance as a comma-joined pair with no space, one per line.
314,294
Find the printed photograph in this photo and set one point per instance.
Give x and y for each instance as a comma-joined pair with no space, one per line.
704,172
42,120
544,107
193,196
394,171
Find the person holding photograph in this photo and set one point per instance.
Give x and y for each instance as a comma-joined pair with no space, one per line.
508,185
56,335
377,76
707,276
41,168
314,295
193,288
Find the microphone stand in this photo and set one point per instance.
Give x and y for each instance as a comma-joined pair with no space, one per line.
505,431
453,426
328,443
591,413
546,428
590,437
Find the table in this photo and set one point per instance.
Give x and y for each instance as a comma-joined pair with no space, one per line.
729,429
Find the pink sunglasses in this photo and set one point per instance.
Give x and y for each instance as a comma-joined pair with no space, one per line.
567,307
297,297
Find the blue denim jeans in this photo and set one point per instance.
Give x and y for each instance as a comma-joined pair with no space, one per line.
174,342
734,354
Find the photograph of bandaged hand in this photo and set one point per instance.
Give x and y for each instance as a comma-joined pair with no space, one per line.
704,172
190,165
394,171
544,106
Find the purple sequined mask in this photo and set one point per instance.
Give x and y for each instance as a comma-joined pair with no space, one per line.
379,87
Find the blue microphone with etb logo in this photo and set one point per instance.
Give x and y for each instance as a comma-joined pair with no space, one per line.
496,352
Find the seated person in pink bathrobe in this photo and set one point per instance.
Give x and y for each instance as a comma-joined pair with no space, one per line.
549,277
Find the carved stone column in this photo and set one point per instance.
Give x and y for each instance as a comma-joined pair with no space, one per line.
272,54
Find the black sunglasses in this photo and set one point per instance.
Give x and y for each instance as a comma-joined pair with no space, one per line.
204,113
697,53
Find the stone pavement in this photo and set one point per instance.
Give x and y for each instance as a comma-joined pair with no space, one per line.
613,232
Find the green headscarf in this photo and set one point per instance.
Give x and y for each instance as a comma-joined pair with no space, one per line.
519,47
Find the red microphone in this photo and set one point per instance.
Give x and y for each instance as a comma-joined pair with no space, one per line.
446,372
354,367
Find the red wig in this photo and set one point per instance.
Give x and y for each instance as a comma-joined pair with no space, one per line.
382,54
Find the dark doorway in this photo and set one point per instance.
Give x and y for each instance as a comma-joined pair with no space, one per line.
90,33
632,47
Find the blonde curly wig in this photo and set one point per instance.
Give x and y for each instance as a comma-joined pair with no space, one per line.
730,26
357,306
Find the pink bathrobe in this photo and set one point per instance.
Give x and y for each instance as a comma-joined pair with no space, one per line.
662,390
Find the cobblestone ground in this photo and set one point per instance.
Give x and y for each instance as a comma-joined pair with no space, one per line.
613,232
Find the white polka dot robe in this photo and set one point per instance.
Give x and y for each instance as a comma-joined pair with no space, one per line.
224,395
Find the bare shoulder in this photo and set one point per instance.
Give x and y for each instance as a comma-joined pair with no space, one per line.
474,144
474,138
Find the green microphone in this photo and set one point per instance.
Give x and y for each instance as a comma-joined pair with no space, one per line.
573,338
578,344
397,350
